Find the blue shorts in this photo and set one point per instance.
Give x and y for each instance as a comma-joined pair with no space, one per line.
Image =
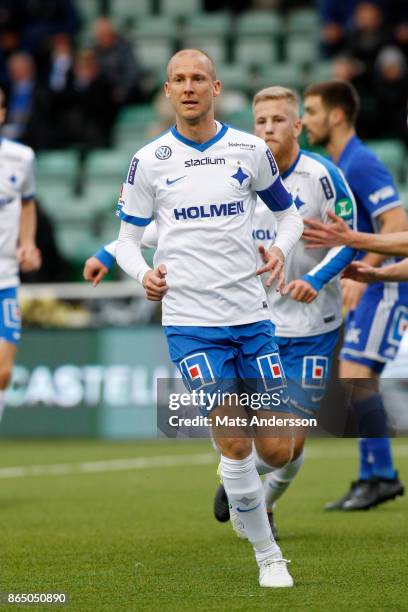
220,358
307,363
373,331
10,318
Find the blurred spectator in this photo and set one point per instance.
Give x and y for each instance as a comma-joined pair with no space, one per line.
61,61
336,19
85,108
21,71
10,27
368,34
164,116
397,11
117,61
391,93
348,68
43,19
54,267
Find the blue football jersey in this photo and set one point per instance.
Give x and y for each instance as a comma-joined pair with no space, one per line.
371,183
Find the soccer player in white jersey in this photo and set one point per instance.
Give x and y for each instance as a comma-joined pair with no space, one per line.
17,243
200,182
307,325
306,332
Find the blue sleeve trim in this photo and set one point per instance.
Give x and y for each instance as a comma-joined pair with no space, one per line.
28,197
331,268
140,221
276,197
105,258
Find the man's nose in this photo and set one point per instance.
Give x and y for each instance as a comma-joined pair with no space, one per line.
188,85
269,127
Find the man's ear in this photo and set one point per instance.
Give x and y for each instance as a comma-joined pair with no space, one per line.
336,117
216,88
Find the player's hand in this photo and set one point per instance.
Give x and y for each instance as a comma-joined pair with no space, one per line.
154,281
29,258
362,272
300,291
273,260
326,235
94,271
352,292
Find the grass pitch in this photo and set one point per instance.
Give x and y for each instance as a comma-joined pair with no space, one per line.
126,537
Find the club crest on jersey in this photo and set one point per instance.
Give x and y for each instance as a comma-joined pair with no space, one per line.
196,371
399,325
298,202
270,367
315,371
240,176
163,152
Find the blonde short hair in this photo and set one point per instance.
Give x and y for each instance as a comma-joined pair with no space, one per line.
278,93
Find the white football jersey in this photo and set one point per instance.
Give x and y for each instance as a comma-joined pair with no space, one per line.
203,197
317,186
16,184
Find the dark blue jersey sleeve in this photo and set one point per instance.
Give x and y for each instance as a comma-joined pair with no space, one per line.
372,184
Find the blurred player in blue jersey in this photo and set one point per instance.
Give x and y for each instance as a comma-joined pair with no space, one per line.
378,314
200,181
17,243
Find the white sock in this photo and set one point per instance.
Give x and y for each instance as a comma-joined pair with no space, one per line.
261,466
2,402
276,483
245,494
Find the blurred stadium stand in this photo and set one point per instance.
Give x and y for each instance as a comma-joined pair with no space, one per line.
78,185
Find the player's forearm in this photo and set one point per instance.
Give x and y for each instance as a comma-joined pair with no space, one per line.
128,251
394,272
391,223
107,254
390,244
28,224
333,263
289,230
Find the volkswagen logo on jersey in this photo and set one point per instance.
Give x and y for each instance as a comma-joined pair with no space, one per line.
315,371
163,152
271,370
196,371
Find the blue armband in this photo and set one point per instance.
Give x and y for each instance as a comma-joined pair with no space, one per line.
105,258
276,197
